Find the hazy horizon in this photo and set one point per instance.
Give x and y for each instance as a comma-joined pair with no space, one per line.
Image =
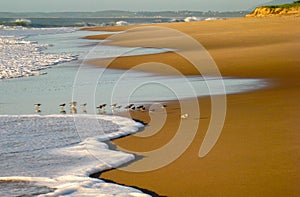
129,5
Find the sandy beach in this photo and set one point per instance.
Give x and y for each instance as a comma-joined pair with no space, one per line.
258,152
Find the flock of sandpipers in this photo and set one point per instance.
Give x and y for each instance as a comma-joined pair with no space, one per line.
101,109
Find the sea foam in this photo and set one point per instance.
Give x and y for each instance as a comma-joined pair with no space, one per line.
21,58
49,151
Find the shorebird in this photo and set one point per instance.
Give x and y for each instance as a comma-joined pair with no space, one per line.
83,105
73,104
73,110
62,112
129,106
37,105
118,106
83,109
62,105
132,108
141,108
101,106
114,105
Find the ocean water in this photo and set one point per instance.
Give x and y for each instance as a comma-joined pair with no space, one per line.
51,151
76,22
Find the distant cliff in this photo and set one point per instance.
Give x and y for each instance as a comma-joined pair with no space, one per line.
277,10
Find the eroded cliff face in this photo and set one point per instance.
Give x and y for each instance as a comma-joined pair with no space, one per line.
269,11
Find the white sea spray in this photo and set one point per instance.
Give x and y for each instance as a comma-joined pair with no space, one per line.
21,58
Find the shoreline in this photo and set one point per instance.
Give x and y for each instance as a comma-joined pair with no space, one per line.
257,152
233,39
97,175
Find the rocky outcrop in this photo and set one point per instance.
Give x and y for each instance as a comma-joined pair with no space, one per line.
274,11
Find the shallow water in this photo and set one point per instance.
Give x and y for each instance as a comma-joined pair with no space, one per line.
19,188
91,85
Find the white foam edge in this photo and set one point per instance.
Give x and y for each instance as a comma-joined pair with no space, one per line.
80,184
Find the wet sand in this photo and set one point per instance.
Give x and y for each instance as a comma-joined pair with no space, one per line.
258,152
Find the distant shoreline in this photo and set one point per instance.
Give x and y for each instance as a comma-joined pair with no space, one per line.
116,13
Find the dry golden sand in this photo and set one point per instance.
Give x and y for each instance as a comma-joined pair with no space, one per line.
258,152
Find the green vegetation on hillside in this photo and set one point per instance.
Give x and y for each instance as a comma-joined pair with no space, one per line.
290,5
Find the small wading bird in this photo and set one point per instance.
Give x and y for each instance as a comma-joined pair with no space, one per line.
101,106
37,105
83,105
73,110
62,105
73,104
141,108
83,108
130,106
37,108
118,106
101,109
115,106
